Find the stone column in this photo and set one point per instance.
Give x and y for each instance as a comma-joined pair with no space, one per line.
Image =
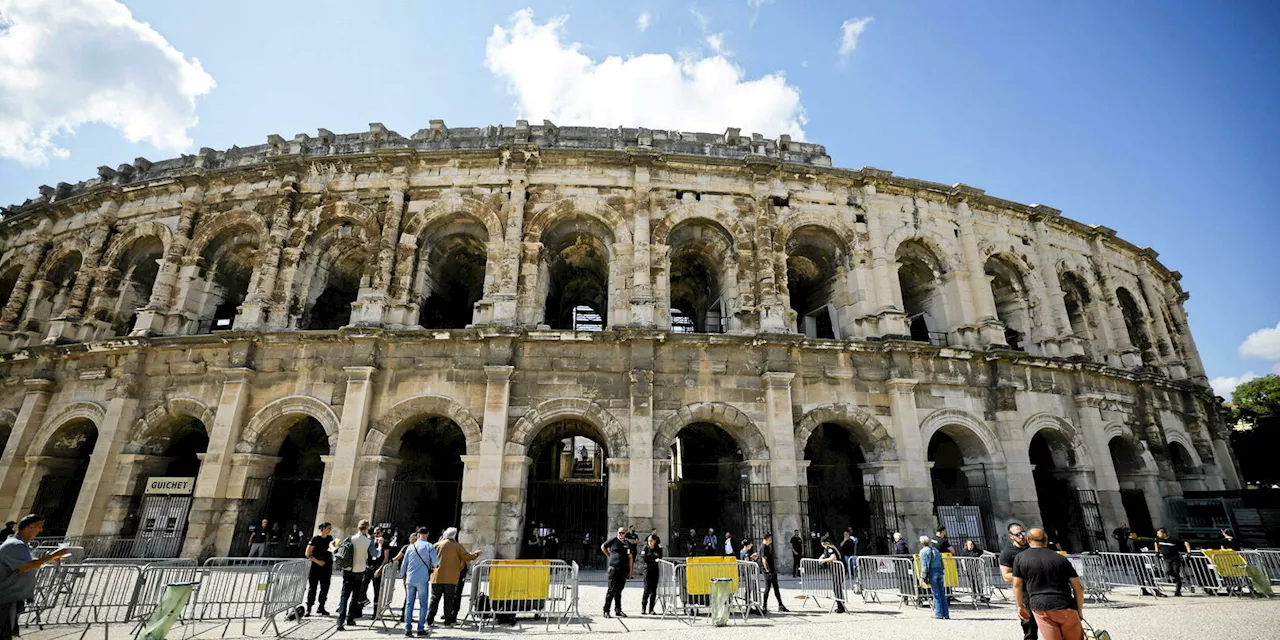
772,305
1105,481
338,496
915,493
104,464
207,525
253,313
1164,343
152,319
640,438
890,318
510,509
65,326
617,513
1124,353
1054,305
12,461
482,512
22,287
662,499
783,476
985,319
643,302
1195,366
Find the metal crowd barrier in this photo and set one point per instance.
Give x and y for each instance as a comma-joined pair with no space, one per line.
1269,561
504,589
826,581
384,610
684,585
1131,570
995,577
1091,569
78,594
245,562
230,592
972,581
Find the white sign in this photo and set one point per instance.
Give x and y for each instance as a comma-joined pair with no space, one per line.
171,486
884,566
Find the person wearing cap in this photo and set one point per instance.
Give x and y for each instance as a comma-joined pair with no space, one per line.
620,567
419,560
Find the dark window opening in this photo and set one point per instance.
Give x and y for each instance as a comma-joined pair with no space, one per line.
578,291
457,266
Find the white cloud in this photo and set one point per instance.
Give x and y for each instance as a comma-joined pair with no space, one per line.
65,63
701,18
643,21
1224,385
850,32
1263,344
716,42
554,80
755,10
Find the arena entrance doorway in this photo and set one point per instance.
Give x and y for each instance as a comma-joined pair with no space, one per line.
961,491
158,520
1071,516
711,488
427,488
289,499
566,507
837,496
67,454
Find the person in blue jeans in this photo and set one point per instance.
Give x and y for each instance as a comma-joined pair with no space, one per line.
931,572
419,559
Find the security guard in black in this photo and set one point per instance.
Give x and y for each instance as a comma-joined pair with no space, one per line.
620,564
1170,550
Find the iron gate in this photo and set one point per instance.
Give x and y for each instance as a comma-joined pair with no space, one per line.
578,513
409,504
883,509
288,501
56,501
876,514
750,520
1086,521
979,497
162,526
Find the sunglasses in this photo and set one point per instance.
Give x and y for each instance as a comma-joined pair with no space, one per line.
1020,534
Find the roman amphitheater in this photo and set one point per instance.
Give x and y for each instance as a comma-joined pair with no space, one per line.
574,328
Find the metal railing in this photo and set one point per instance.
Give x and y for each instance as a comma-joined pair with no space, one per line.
501,590
684,586
821,581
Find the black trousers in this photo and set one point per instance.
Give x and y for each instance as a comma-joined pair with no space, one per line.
8,619
771,581
795,565
449,592
617,580
353,590
1174,568
1030,631
650,598
318,577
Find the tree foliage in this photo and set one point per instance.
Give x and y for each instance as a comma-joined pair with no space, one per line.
1257,400
1255,405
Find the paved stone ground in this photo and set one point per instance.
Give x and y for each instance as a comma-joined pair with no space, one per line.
1129,618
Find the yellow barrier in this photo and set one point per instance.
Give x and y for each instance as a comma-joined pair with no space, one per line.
1228,563
519,580
950,574
702,570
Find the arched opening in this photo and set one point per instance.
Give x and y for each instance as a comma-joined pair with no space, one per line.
8,282
67,457
700,257
340,273
712,487
456,270
1134,324
575,269
1075,296
289,497
837,496
50,296
1184,468
961,486
158,511
229,261
1070,514
129,286
566,507
815,276
1012,305
920,282
1129,465
426,488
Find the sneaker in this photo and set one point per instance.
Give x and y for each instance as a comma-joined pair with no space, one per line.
322,612
783,609
408,633
422,633
341,627
619,614
606,613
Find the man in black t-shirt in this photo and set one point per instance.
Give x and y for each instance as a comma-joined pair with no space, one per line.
797,549
1170,550
770,565
940,541
1053,596
1017,544
1121,534
320,553
618,550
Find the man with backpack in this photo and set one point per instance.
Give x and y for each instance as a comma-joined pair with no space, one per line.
353,555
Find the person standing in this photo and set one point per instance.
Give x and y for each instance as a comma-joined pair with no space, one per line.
18,571
419,560
931,572
446,581
295,539
620,567
1121,534
971,549
1017,544
363,552
900,547
797,551
1043,586
769,562
830,554
275,541
1229,541
321,557
1170,550
849,552
691,544
650,555
258,540
728,545
941,542
710,543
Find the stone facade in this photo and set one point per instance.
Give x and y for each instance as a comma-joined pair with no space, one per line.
202,289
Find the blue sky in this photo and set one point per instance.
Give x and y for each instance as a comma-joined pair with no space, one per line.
1157,119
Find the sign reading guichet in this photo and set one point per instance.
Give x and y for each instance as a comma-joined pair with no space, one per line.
170,486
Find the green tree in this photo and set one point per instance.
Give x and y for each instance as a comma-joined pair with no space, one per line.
1255,414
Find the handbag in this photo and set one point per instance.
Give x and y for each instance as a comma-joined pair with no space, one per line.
1091,633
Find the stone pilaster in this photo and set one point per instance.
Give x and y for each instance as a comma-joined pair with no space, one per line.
1155,307
483,511
640,441
12,311
915,494
66,325
104,465
783,476
990,331
618,509
891,321
338,496
1105,480
643,301
153,318
1123,352
12,463
206,524
253,313
1052,302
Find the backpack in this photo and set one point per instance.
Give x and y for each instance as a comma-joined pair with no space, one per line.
343,557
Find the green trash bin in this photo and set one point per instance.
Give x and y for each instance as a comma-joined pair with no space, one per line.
721,590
